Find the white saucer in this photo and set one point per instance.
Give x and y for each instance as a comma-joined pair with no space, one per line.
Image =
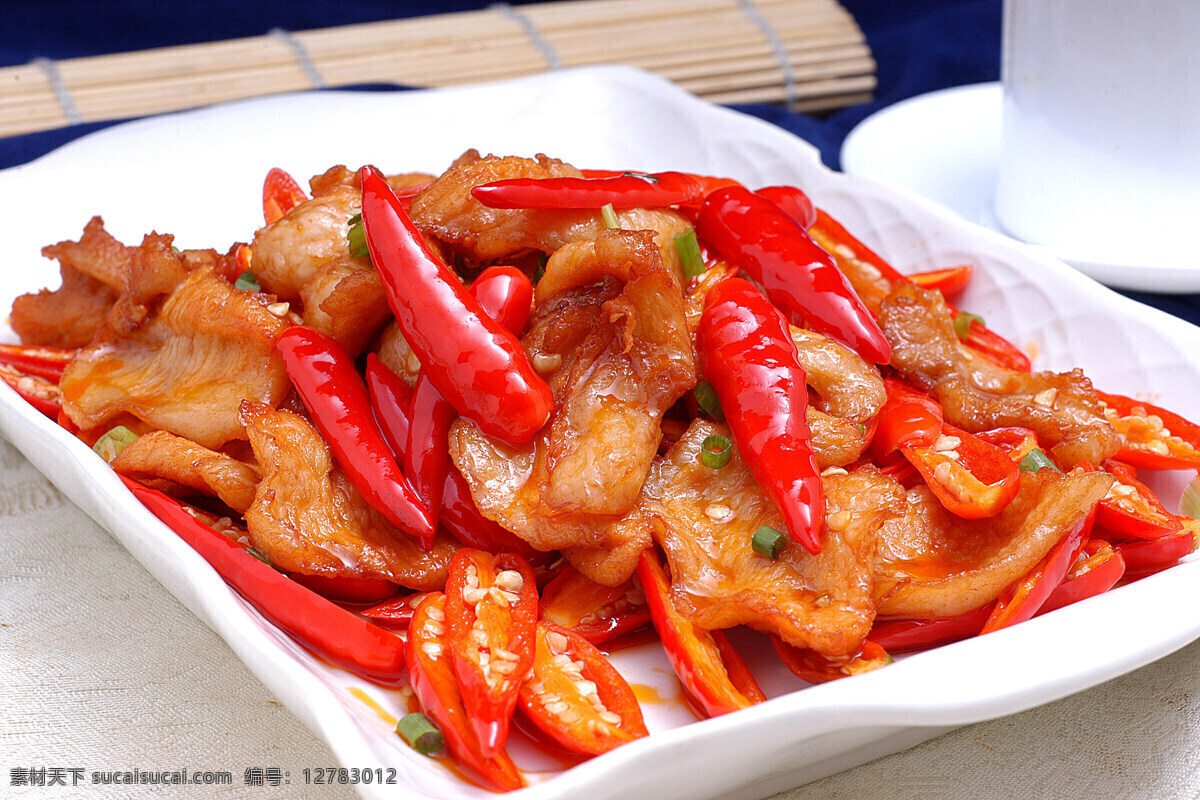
945,146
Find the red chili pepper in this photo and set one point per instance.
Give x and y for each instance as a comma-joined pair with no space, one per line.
705,671
44,362
1152,437
397,612
326,380
949,281
1017,442
437,690
601,710
1096,571
969,477
390,399
792,200
748,357
37,391
1131,510
460,516
594,611
1022,600
756,235
993,346
1147,556
326,629
908,417
620,190
475,362
830,234
491,613
898,635
281,194
345,589
811,666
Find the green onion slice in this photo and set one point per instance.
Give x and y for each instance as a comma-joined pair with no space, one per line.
110,445
356,236
689,253
768,542
962,323
543,259
1189,501
421,734
1036,460
716,451
246,282
258,554
706,398
609,215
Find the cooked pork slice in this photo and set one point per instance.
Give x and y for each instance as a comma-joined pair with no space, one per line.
307,517
705,520
97,254
976,395
186,369
930,563
346,302
69,316
162,456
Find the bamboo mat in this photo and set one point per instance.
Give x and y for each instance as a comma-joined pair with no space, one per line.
807,54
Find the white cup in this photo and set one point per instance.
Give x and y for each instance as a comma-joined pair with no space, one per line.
1100,153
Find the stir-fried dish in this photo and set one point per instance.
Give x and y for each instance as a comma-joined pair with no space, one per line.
469,433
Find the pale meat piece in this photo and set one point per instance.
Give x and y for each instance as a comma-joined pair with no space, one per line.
447,211
183,465
67,317
705,519
97,254
930,563
396,354
307,517
976,395
346,302
186,369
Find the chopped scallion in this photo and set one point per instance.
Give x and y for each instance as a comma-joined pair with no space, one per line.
609,215
962,323
706,398
247,282
356,236
1036,460
1189,501
110,445
716,451
258,554
421,734
543,259
768,542
689,253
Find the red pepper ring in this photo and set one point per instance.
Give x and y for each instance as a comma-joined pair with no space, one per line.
620,190
280,194
1152,437
43,362
1095,571
756,235
1131,510
491,615
1147,556
327,381
899,635
908,417
601,711
437,691
335,634
749,358
949,281
706,670
970,478
594,611
809,665
476,363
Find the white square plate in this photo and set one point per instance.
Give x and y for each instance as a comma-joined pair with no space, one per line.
199,175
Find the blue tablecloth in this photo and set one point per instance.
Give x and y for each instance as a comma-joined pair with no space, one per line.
919,45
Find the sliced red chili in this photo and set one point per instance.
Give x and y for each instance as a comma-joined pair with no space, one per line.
706,672
969,477
792,200
1152,437
345,589
908,417
1017,442
620,190
390,399
576,696
831,235
756,235
476,363
327,381
594,611
1131,510
38,392
1026,597
1095,571
1146,556
809,665
899,635
331,632
43,362
396,612
748,357
491,609
994,347
437,689
949,281
281,194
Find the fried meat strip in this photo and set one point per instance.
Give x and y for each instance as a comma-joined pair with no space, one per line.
307,517
186,369
1062,408
176,465
616,357
705,519
930,563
